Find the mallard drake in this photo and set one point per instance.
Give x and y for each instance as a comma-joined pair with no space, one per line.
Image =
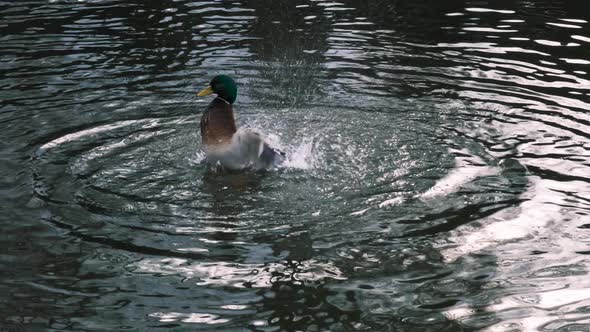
226,145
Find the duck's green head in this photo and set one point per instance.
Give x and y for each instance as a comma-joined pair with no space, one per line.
224,86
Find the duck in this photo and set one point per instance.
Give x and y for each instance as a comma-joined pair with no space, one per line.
225,145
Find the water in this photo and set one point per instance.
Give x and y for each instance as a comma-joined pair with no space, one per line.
438,174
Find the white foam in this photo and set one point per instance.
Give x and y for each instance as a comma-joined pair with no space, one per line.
83,133
94,131
202,318
391,202
360,212
236,275
466,170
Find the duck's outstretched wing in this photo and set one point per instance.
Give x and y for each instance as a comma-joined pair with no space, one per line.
247,149
260,153
271,156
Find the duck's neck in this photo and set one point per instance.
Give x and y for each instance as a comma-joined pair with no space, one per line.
222,99
218,124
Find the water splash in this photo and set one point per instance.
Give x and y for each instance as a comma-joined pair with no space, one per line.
304,156
301,155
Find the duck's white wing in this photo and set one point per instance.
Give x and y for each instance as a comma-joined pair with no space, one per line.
247,149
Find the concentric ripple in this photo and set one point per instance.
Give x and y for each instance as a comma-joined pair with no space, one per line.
437,174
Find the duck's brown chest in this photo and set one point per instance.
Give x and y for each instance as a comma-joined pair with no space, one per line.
217,123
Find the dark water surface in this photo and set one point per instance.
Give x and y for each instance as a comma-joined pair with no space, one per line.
438,175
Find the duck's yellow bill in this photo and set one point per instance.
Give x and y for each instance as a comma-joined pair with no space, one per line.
205,92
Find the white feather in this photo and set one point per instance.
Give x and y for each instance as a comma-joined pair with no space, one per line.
243,151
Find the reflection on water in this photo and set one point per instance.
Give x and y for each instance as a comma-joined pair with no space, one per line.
437,176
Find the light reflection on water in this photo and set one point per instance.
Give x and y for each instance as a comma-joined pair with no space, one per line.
437,176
